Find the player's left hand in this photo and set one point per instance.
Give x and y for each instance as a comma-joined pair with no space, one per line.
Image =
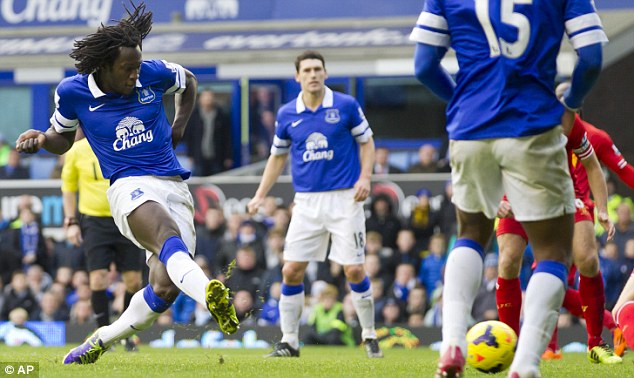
607,225
361,189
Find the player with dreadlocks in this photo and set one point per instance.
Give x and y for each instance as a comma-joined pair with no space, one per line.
117,100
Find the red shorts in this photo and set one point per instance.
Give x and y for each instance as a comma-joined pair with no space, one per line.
585,212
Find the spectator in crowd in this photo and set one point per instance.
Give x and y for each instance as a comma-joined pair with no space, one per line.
384,220
373,267
10,257
274,247
624,228
427,160
404,282
406,251
210,236
248,235
16,333
64,254
246,275
378,292
183,309
447,213
17,294
423,220
208,137
327,321
416,302
52,308
484,305
611,270
244,304
433,317
382,165
270,313
81,312
430,273
393,313
39,281
25,238
281,218
264,134
14,169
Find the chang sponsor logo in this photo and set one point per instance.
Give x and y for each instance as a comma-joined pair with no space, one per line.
131,132
317,148
93,12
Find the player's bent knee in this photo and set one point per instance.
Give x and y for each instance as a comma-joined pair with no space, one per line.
354,273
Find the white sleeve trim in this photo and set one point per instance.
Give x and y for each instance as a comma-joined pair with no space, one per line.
362,132
582,22
432,20
63,124
430,37
180,79
588,38
280,146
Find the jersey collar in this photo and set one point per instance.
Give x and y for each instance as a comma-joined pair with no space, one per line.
94,89
325,103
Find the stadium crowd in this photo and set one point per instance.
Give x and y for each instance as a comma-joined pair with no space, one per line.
405,258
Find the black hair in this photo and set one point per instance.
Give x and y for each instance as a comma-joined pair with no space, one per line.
309,54
100,49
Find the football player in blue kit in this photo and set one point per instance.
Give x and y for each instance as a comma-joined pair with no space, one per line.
503,120
332,155
116,98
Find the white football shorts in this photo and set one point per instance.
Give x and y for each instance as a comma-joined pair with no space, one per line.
128,193
323,216
532,171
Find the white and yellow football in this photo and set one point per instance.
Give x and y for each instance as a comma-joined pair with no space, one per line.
491,346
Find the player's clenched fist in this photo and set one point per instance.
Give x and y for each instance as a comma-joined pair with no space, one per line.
30,141
254,204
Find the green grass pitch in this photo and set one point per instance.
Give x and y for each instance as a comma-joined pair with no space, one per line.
314,362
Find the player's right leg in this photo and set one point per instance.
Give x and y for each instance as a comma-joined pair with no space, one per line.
624,311
160,220
552,242
145,307
291,306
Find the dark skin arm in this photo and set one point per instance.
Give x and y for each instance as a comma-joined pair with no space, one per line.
31,141
184,105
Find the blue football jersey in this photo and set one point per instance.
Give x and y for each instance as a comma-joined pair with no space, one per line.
323,144
506,51
130,135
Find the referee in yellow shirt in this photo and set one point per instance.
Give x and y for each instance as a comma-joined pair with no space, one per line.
95,229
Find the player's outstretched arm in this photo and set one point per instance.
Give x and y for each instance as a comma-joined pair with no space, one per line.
584,76
599,192
273,170
184,105
609,154
31,141
428,70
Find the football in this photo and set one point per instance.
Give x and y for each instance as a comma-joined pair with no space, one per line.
491,346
